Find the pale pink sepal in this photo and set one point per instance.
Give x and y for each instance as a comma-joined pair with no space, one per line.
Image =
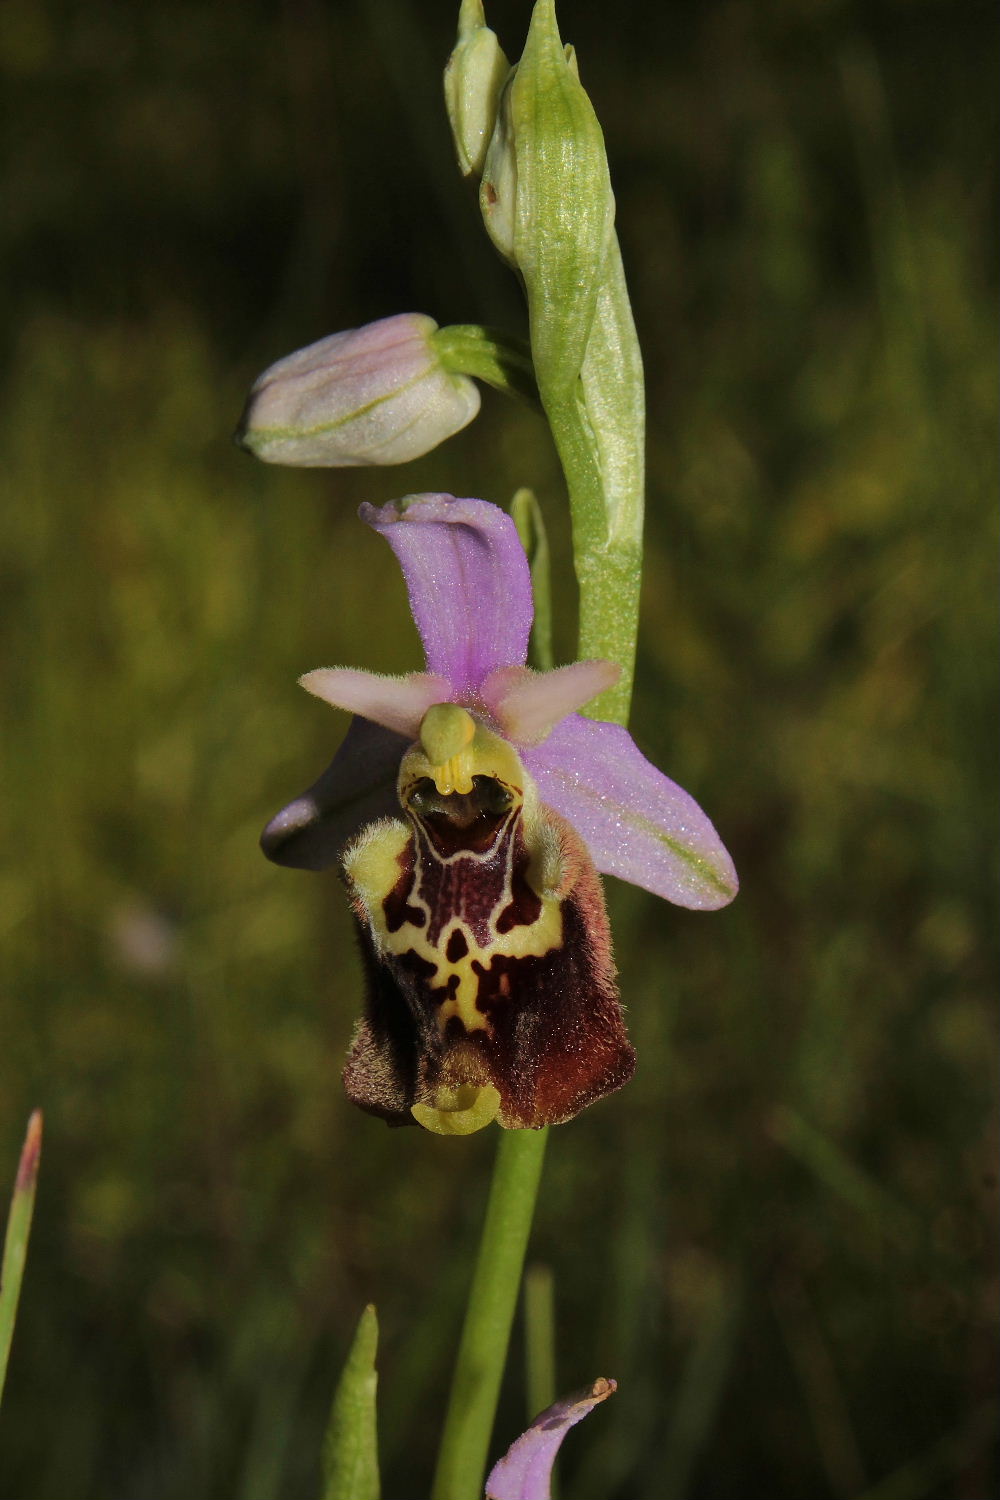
397,703
528,705
637,823
525,1471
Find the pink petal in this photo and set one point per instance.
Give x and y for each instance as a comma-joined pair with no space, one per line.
397,703
525,1471
637,824
528,705
468,582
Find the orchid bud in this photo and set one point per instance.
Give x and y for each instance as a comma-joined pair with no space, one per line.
546,199
473,79
373,395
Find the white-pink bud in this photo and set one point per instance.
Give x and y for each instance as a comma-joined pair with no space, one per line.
372,395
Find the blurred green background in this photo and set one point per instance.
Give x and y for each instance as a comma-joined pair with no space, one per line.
780,1238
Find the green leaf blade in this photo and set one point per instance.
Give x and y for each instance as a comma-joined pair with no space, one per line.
15,1247
350,1450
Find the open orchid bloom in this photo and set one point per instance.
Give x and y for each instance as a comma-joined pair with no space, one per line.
491,983
525,1471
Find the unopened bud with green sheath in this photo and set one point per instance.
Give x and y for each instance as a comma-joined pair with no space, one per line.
475,74
547,202
380,394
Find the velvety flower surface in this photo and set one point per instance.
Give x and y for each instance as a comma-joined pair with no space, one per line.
491,984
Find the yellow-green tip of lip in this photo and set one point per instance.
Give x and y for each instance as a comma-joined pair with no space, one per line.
460,1111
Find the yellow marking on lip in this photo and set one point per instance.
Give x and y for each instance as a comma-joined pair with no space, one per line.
372,867
448,734
532,940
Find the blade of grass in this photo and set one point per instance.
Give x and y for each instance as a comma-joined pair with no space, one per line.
822,1391
833,1167
923,1475
696,1399
15,1248
350,1452
539,1339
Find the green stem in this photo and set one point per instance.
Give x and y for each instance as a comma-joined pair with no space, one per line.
585,357
489,354
489,1315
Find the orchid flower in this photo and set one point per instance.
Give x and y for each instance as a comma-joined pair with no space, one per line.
491,987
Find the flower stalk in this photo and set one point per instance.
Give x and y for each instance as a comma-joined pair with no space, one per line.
489,1315
591,387
488,354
